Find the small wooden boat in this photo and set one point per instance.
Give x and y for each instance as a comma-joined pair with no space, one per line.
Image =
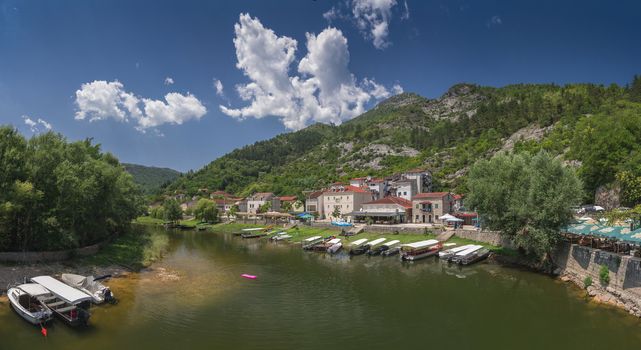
88,284
28,300
253,235
475,256
358,247
446,254
381,249
280,236
457,257
247,230
327,242
420,250
309,243
69,304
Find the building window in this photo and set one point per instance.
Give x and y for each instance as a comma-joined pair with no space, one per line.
417,207
405,193
436,216
436,206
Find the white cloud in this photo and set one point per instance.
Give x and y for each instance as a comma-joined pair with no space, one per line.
169,81
100,100
218,85
397,89
406,11
323,91
372,18
494,21
37,125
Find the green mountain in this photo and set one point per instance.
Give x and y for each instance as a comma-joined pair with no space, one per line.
151,179
592,127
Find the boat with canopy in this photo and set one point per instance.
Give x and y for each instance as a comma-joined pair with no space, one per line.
456,258
387,249
90,285
28,301
69,304
420,250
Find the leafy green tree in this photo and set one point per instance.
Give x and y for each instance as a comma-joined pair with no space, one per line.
233,210
337,212
635,89
527,198
286,207
630,187
265,207
206,210
172,210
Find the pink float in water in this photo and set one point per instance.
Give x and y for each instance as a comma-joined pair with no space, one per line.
251,277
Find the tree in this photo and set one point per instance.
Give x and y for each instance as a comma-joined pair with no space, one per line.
635,89
265,207
233,210
527,198
286,207
206,210
337,212
172,210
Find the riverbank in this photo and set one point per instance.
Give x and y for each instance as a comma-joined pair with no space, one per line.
128,253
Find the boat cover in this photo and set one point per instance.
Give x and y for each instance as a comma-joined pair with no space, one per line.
377,241
33,289
359,242
421,244
311,239
334,241
61,290
82,282
253,229
469,250
392,243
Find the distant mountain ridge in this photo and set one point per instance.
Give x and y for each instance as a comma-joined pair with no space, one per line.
445,135
150,178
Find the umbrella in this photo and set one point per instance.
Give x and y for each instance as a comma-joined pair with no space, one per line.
447,217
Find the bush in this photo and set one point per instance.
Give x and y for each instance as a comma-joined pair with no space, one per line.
587,282
604,275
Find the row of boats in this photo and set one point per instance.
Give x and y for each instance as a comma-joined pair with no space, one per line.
463,255
69,299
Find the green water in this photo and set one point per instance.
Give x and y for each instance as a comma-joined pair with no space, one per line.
195,299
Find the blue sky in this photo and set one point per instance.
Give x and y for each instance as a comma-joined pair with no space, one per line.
66,63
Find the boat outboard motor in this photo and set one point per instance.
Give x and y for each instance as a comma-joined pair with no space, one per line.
109,297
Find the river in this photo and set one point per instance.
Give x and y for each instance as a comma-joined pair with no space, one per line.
195,299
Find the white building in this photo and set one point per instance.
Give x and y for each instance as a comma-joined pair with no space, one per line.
344,199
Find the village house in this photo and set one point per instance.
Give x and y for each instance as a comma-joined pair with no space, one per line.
378,187
388,210
422,178
224,205
314,203
242,205
258,199
345,199
429,207
404,188
294,203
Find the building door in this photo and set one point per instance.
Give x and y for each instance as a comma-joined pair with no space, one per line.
430,219
423,219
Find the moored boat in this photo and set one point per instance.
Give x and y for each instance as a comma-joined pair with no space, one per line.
475,256
280,236
88,284
374,244
336,246
456,258
446,254
309,243
380,249
69,304
420,250
358,247
28,300
326,244
253,235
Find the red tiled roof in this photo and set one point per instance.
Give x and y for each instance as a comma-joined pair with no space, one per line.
431,195
458,196
287,198
425,202
393,200
376,180
348,188
315,194
466,215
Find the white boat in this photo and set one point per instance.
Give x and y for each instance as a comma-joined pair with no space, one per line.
389,248
98,291
456,258
450,252
358,246
253,229
28,300
281,236
475,256
310,242
70,304
421,249
335,246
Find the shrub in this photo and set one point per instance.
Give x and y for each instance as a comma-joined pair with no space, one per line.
587,282
604,275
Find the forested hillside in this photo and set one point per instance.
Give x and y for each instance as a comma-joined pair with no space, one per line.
595,128
150,179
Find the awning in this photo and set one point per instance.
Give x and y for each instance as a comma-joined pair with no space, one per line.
621,233
61,290
375,213
33,289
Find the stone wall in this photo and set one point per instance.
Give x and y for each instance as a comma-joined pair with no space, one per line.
624,289
30,257
490,237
